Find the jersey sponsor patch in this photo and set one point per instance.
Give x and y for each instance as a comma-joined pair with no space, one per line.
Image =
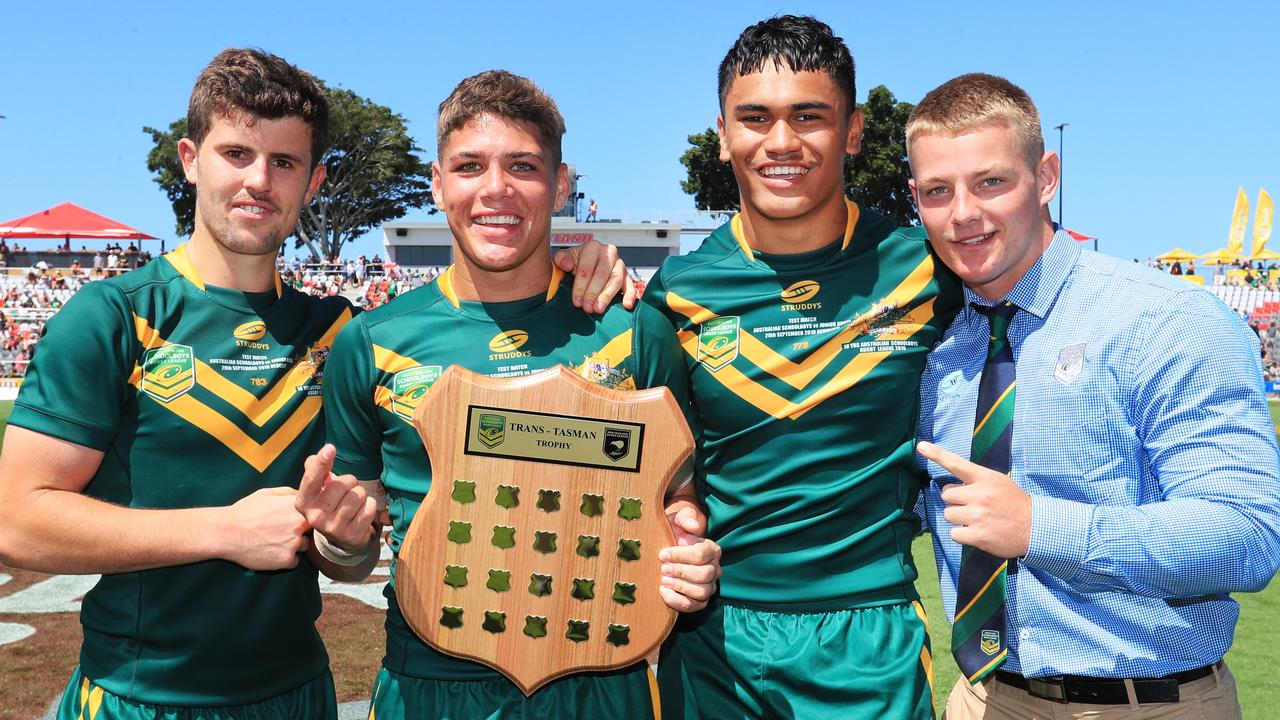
252,330
508,341
168,372
408,387
801,292
718,342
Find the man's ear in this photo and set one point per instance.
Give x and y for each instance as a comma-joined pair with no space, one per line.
853,143
437,193
724,146
187,152
1048,175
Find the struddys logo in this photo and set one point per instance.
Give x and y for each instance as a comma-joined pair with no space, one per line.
506,345
799,296
409,386
248,335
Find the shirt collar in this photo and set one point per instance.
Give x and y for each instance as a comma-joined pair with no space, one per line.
1036,291
181,261
740,235
445,283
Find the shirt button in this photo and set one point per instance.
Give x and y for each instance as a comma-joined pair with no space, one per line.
1024,634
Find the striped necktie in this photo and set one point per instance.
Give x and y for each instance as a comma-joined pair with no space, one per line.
978,635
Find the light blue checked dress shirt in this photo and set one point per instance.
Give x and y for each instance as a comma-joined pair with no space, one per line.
1142,434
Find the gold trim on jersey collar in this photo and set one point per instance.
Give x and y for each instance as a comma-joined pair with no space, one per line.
445,282
181,262
735,225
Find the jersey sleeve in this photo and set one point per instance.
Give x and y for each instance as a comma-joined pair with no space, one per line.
350,414
79,379
660,363
655,294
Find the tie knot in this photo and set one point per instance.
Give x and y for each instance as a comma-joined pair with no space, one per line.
1000,316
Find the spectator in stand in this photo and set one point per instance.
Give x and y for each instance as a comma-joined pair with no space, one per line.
593,211
1191,267
97,263
113,263
1176,268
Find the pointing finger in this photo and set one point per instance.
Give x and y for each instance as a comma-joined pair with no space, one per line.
316,472
964,470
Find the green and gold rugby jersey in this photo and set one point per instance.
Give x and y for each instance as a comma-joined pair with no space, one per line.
804,374
199,396
385,359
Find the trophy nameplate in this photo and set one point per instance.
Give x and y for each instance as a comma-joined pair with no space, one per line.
536,550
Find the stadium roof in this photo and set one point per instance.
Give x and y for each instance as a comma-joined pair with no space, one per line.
69,220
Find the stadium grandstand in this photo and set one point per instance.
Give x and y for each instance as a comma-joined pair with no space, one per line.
34,284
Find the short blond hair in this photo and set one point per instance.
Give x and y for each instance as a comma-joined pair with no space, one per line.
973,100
502,94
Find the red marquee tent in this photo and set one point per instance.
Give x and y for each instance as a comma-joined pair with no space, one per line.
69,220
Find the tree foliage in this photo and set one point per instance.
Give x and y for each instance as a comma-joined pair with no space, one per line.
875,178
710,181
374,175
164,163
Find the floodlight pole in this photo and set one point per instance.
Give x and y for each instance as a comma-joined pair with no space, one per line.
1060,129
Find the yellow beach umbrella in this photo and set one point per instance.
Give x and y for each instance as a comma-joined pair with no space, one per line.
1265,254
1221,256
1177,255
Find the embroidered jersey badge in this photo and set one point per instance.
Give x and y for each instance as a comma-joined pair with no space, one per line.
408,387
718,342
168,372
1070,363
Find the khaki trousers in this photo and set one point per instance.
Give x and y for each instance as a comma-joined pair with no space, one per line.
1209,698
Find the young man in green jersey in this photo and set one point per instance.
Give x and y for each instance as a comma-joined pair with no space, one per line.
158,432
805,322
498,179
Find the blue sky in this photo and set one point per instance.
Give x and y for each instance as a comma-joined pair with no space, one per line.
1171,107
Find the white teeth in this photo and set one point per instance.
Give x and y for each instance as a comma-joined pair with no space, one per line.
498,220
783,170
976,240
253,209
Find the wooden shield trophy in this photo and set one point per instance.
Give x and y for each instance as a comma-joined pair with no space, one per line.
536,550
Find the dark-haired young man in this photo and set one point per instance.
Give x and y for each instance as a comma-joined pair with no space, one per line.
498,179
805,322
1104,467
167,414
